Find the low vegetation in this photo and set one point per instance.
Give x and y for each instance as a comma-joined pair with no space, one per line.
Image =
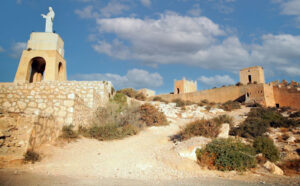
259,120
265,145
227,155
130,92
230,105
160,99
224,119
118,119
291,167
31,156
151,116
68,133
206,128
295,115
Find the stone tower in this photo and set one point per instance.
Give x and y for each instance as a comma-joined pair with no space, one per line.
43,60
252,75
184,86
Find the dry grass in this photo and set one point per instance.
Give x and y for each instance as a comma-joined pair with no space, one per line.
291,167
206,128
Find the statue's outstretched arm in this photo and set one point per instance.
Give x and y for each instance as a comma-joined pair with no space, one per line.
44,16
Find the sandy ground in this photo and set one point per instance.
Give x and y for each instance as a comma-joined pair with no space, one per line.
145,159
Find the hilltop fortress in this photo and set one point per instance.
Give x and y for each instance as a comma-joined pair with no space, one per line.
252,88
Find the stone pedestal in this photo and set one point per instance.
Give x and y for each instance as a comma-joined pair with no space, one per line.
43,60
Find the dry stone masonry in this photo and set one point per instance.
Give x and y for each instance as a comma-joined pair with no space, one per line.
70,102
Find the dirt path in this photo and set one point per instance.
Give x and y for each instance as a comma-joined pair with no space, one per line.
145,159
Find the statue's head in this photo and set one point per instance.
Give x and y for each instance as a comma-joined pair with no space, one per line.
50,9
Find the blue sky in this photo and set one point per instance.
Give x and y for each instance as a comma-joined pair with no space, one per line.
149,43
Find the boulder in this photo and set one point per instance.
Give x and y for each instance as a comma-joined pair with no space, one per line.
224,131
187,149
291,139
274,169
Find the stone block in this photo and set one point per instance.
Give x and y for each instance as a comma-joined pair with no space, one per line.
68,103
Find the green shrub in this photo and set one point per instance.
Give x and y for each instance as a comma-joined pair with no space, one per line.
265,145
68,132
295,115
224,119
112,122
259,120
206,128
251,128
230,105
108,132
31,156
151,116
227,155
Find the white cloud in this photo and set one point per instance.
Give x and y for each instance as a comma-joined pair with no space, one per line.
113,8
195,41
1,49
290,7
292,71
195,11
17,48
146,3
87,13
217,80
135,78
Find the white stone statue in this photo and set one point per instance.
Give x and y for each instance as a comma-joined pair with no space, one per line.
49,20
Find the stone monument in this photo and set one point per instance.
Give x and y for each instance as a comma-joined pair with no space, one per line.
49,20
43,60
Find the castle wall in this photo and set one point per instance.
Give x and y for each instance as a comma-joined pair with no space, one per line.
68,102
218,95
260,93
287,96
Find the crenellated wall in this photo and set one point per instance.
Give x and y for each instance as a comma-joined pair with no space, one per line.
217,95
287,96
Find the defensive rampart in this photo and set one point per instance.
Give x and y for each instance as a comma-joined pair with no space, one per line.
217,95
287,96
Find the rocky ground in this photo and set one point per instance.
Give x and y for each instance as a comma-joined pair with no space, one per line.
145,159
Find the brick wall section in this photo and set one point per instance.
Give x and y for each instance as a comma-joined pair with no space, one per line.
217,95
287,96
65,101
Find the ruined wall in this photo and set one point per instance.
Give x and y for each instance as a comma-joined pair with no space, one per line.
287,96
63,100
20,132
218,95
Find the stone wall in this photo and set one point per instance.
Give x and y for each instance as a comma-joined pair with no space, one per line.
66,101
287,96
20,132
217,95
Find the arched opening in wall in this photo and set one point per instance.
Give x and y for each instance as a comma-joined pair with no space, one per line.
38,65
178,91
60,71
250,79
